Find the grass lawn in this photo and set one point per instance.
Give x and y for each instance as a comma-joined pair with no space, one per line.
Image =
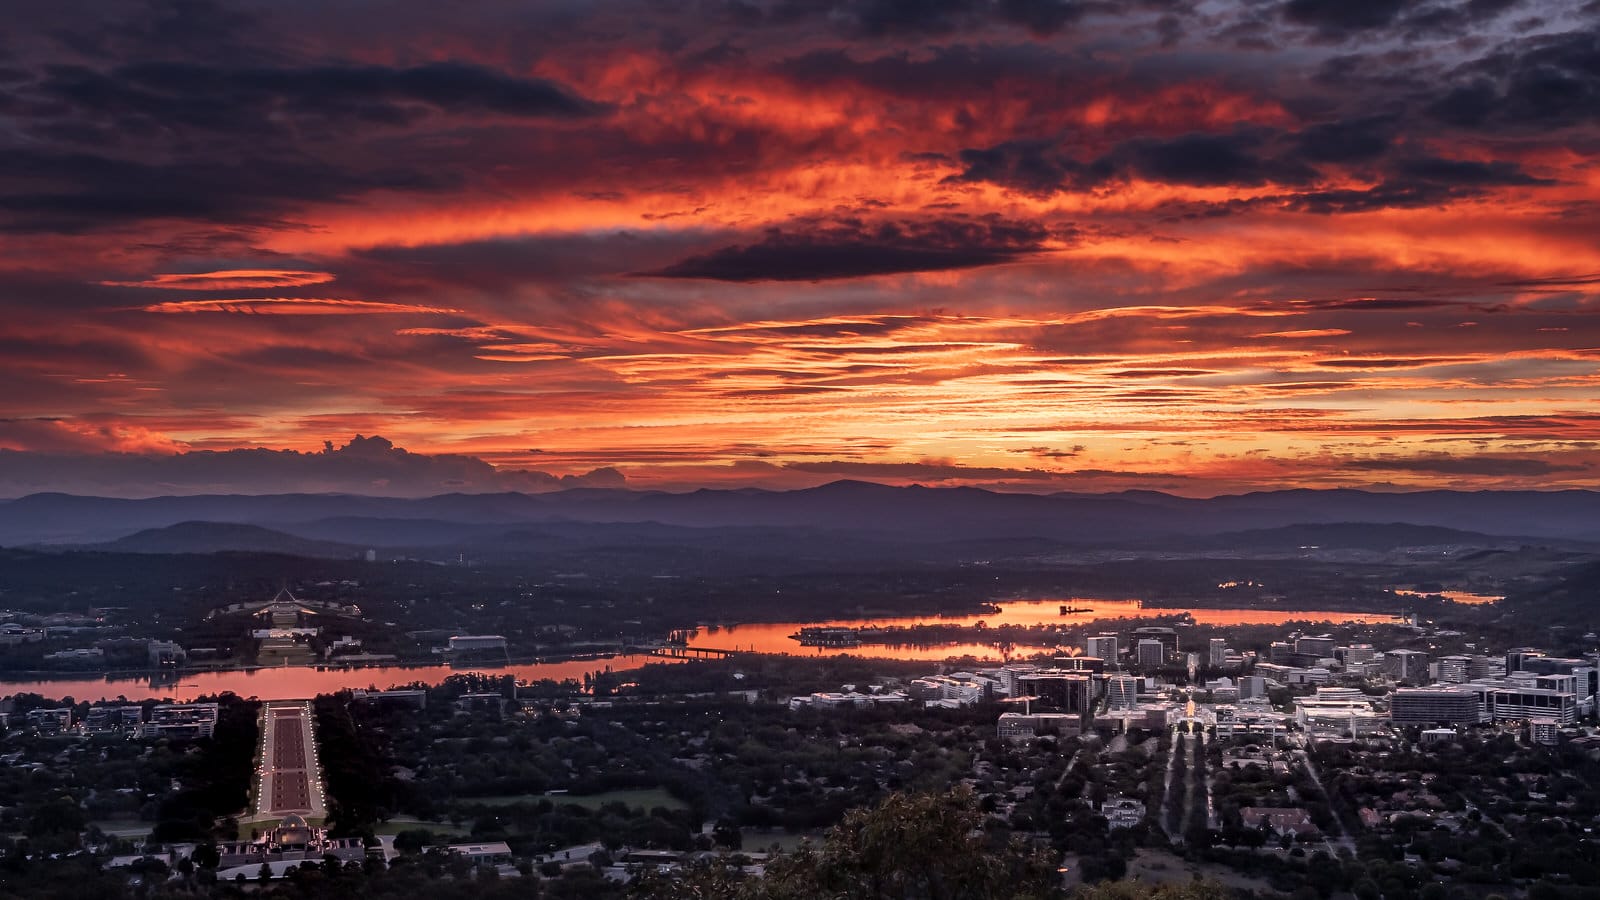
125,828
757,840
445,829
646,799
1162,867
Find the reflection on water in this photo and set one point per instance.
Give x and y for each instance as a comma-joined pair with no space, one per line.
1462,597
770,637
295,682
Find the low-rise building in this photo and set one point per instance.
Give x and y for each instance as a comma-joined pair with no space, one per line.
494,853
291,841
1250,719
181,720
962,689
468,644
1439,735
414,697
1122,812
114,720
1279,820
1014,726
844,699
1544,731
50,721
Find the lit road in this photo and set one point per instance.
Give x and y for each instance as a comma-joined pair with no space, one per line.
289,778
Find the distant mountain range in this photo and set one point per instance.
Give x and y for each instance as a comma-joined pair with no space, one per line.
225,537
843,515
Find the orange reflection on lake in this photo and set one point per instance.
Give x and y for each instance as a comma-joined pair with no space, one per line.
774,637
1463,597
299,682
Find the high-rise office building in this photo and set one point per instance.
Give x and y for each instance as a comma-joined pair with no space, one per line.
1320,647
1104,646
1167,636
1406,666
1122,692
1150,653
1216,652
1454,669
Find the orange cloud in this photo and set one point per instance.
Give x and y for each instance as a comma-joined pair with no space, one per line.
228,280
294,306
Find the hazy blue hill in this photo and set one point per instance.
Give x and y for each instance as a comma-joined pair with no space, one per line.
1350,536
221,537
897,514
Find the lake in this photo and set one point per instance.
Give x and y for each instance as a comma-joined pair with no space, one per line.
295,682
773,637
1463,597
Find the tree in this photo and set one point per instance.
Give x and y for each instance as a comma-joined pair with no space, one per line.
1137,890
912,846
726,834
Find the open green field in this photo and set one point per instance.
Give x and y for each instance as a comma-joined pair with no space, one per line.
648,798
757,840
125,827
444,829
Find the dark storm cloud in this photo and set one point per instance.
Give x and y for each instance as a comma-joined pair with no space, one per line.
1471,173
1453,19
1212,160
1341,19
1418,182
953,70
916,18
70,192
1042,167
209,94
1037,167
504,263
1355,140
853,249
1546,81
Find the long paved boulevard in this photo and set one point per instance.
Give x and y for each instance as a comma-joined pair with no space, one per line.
290,780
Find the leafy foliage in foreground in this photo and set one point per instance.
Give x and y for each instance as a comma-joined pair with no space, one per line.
910,847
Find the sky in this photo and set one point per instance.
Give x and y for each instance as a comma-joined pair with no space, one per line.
1041,245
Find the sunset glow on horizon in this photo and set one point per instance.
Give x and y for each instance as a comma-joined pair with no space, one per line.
1031,246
